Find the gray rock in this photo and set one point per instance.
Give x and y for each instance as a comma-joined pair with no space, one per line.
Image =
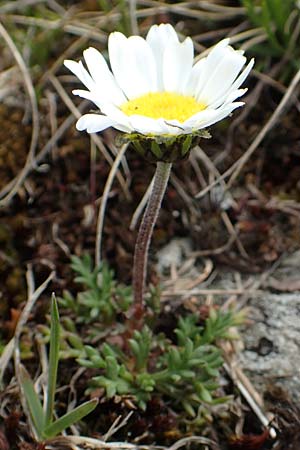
272,342
173,254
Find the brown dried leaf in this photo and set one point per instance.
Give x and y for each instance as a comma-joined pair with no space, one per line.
248,441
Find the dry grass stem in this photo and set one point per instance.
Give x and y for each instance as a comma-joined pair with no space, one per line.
233,232
258,283
283,105
97,444
6,357
106,191
201,277
197,439
117,425
198,292
197,169
133,18
187,199
214,251
254,41
66,54
141,206
75,28
98,141
6,197
44,151
236,168
249,393
33,295
207,10
52,119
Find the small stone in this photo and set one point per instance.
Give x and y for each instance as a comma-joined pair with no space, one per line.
173,253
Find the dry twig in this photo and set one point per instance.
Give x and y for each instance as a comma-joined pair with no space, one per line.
236,168
104,199
7,196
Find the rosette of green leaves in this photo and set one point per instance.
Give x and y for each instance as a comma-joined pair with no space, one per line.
102,297
185,372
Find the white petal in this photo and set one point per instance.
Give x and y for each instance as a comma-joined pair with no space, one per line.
159,37
175,127
92,96
133,64
235,94
80,72
222,77
146,125
195,77
177,65
229,97
223,113
117,57
110,110
208,117
104,79
93,123
200,117
117,115
144,63
217,51
242,77
210,63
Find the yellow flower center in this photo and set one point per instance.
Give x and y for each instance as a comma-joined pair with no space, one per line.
166,105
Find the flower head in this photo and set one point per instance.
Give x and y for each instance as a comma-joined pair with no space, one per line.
155,89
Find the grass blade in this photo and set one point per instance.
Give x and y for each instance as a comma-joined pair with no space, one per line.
53,360
70,418
33,401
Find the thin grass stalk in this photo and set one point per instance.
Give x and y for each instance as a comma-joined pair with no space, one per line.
53,361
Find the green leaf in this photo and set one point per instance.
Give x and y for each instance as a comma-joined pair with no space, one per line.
187,374
278,12
83,267
220,400
188,408
33,401
91,351
189,347
53,360
140,346
139,148
111,388
175,377
134,346
75,341
87,363
186,144
204,394
112,368
155,149
107,350
70,418
252,13
174,358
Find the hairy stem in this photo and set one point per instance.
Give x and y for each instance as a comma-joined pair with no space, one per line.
161,178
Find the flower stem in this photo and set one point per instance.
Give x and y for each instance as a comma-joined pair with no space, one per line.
161,179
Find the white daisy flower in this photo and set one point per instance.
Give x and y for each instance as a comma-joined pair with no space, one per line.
155,89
